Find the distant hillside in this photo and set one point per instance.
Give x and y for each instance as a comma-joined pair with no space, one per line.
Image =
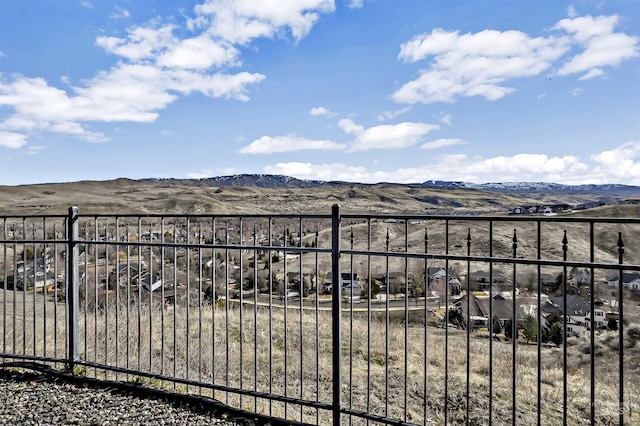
608,192
259,193
258,180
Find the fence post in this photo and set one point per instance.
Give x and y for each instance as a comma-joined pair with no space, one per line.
72,287
336,314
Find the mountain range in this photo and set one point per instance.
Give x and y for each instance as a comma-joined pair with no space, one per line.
277,194
281,181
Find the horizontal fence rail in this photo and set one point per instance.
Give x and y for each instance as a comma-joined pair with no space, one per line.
337,318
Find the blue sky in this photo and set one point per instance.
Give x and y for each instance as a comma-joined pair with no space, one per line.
367,91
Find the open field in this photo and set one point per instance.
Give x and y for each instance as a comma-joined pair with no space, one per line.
196,197
289,353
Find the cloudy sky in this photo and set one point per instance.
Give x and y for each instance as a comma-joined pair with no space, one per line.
355,90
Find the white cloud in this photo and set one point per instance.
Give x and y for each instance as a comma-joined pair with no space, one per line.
355,4
200,175
288,143
442,143
349,127
120,13
126,93
387,136
474,64
445,118
618,165
325,172
621,164
86,3
577,91
602,46
388,115
12,140
480,64
522,167
156,67
593,72
240,21
571,12
316,111
35,149
199,53
140,43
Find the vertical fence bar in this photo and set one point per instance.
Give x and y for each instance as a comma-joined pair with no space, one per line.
491,323
514,333
286,316
386,329
200,278
35,285
5,279
301,292
369,294
351,242
406,316
539,321
24,288
565,389
117,285
336,318
621,407
426,325
446,324
271,284
592,337
468,323
317,326
162,297
214,296
72,287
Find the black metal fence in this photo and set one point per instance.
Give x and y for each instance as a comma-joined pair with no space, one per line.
336,318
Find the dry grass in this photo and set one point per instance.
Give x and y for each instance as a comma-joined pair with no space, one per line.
250,350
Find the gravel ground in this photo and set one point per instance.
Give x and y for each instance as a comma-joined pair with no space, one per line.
36,398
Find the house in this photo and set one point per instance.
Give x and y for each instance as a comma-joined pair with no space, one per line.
125,274
439,280
274,247
496,281
151,282
578,313
481,309
347,280
630,281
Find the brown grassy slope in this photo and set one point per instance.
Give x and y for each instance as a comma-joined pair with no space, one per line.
130,196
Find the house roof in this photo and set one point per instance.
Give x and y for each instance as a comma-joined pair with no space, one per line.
627,277
500,307
576,305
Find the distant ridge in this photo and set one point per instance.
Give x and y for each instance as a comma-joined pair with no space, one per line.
511,187
257,180
282,181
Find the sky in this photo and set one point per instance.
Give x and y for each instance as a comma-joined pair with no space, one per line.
354,90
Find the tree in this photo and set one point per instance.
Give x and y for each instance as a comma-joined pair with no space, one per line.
530,330
553,332
416,286
556,333
497,325
508,329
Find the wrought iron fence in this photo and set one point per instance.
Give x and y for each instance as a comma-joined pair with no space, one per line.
336,318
